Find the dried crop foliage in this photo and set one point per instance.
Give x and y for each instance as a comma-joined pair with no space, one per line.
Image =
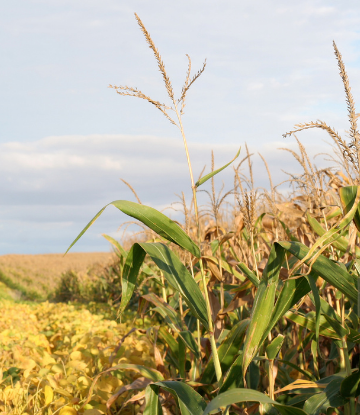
51,353
40,274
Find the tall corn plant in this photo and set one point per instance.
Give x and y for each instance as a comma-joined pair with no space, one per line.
229,376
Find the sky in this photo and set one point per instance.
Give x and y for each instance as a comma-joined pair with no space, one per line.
66,139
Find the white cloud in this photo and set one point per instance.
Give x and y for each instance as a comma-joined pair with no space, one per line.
270,65
54,186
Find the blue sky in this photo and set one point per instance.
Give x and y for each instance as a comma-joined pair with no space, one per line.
66,138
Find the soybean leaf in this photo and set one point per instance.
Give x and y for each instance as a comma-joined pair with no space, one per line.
248,395
210,175
327,269
190,402
147,372
329,398
263,305
174,272
152,218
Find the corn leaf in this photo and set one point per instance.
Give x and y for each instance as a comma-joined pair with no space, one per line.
174,272
291,292
274,347
338,242
190,402
329,398
190,342
116,244
248,395
234,377
227,351
152,218
210,175
309,321
324,241
153,406
350,386
249,274
263,305
170,315
327,269
348,197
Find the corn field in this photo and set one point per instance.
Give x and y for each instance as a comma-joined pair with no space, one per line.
250,305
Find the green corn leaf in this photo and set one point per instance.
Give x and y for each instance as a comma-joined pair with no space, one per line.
326,308
274,347
234,377
249,274
153,406
263,305
333,214
340,330
329,398
168,340
190,342
348,196
172,318
116,244
312,282
174,272
132,266
338,242
291,293
190,402
335,231
248,395
210,175
309,321
227,351
350,386
297,368
327,269
152,218
354,335
182,358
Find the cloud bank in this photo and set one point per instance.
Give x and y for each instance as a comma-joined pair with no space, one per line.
54,186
